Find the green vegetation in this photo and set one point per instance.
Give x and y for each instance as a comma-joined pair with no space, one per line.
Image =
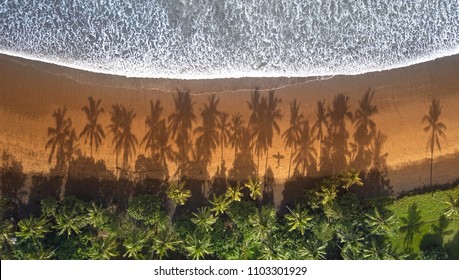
428,224
328,222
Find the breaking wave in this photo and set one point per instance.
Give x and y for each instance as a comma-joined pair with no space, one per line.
197,39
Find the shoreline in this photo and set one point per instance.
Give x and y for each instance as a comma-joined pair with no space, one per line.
425,59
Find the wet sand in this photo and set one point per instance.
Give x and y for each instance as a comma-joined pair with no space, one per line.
31,91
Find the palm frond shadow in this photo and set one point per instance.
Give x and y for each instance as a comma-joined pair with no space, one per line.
411,224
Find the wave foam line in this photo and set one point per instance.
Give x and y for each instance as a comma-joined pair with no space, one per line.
228,75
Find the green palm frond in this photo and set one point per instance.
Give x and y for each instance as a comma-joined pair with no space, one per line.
198,246
298,219
254,187
204,219
234,193
178,193
219,204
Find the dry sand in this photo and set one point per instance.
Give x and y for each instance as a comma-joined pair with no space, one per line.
31,91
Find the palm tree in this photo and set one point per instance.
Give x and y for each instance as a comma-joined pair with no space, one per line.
375,250
135,243
328,191
254,187
453,206
236,128
273,249
178,193
365,127
93,130
126,141
207,141
305,153
116,120
436,129
352,242
68,221
204,219
59,137
292,134
219,204
180,125
97,216
313,249
322,120
198,246
234,193
263,222
223,130
153,123
32,228
166,240
351,178
103,248
298,219
381,224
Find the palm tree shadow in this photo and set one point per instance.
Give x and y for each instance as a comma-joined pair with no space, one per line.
435,128
208,136
411,225
433,241
243,165
452,247
365,129
335,145
59,137
93,131
180,124
265,114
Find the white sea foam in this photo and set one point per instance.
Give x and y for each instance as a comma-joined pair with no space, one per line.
205,39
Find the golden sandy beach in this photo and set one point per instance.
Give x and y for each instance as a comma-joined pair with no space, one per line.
31,91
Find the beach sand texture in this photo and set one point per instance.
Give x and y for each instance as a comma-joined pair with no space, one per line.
31,91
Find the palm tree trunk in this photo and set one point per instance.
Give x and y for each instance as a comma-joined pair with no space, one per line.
90,144
290,162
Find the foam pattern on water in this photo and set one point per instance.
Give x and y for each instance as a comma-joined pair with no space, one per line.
230,38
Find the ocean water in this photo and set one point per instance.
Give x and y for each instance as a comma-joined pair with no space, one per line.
202,39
